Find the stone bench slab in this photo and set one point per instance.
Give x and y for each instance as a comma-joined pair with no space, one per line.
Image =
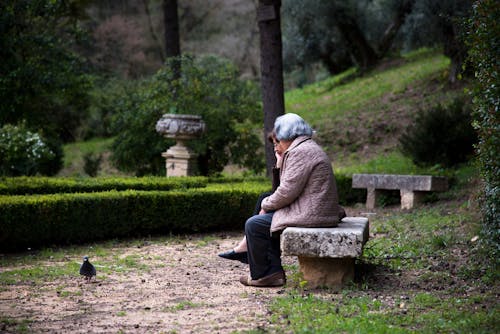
411,187
345,240
397,182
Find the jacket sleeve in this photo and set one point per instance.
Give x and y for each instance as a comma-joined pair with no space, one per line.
296,170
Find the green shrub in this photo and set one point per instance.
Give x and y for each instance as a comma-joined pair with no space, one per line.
42,220
91,164
484,42
442,135
23,152
208,87
347,194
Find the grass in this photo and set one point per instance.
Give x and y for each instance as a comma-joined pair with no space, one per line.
413,278
422,313
389,163
329,100
74,153
421,272
50,263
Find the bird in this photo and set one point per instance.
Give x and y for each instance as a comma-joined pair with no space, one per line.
87,269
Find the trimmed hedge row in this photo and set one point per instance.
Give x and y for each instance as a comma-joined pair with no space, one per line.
347,194
52,185
42,220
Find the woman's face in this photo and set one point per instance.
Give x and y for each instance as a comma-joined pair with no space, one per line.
280,146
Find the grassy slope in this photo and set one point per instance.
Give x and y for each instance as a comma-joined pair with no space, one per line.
362,118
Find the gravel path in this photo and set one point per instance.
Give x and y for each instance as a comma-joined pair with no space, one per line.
176,286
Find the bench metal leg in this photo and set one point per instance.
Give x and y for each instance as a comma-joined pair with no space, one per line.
326,272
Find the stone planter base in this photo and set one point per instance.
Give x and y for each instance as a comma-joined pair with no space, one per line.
180,161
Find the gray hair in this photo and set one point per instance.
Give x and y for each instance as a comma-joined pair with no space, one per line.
291,126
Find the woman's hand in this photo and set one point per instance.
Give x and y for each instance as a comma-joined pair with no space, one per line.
279,158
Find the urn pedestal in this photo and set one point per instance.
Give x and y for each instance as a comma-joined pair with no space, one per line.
180,160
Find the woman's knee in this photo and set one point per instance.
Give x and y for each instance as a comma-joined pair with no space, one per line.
250,225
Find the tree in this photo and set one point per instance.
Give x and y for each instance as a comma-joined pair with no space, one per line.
341,34
172,39
171,23
42,80
208,87
439,23
268,16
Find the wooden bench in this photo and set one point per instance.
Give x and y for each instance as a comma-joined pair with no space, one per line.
411,187
327,255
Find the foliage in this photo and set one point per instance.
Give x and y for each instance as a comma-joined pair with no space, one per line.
484,42
104,103
42,79
439,23
92,163
84,217
347,194
208,87
23,152
310,34
441,135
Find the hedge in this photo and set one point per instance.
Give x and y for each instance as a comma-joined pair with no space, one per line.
43,220
52,185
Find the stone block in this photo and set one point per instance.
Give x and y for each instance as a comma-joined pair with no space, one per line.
326,272
327,255
345,240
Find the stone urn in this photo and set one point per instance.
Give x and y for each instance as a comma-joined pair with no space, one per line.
180,160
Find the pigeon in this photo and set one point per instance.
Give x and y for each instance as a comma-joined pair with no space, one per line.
87,269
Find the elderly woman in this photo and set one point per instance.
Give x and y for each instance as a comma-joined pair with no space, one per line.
306,197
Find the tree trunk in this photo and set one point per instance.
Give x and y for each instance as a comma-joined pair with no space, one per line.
172,39
361,51
404,9
271,62
171,23
152,31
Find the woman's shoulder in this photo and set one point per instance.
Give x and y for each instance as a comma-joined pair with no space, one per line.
308,149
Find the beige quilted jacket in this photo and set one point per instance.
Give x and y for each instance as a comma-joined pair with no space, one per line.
307,194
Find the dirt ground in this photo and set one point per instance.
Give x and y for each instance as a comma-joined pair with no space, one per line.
179,287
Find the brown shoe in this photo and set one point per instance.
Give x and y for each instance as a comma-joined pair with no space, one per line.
276,279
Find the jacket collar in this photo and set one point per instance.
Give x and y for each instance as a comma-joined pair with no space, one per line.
297,141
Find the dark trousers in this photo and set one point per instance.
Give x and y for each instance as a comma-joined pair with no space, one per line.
264,255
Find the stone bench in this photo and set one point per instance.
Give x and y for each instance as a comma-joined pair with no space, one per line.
327,255
411,187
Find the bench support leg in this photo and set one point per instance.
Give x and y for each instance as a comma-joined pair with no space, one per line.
326,272
371,197
410,198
